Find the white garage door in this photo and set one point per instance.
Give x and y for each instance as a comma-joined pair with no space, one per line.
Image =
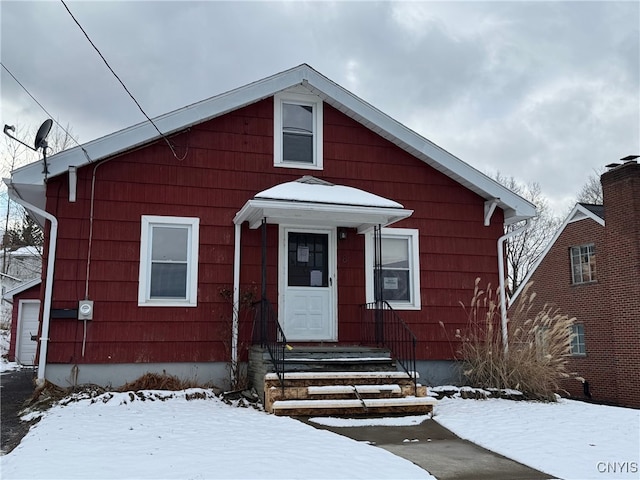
27,330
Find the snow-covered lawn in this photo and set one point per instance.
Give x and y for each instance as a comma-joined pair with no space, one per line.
568,439
127,437
167,435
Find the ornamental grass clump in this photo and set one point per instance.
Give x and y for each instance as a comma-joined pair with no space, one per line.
538,346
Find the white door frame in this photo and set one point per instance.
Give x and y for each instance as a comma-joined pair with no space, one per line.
332,274
19,326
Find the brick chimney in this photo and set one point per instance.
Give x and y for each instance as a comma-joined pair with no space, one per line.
621,273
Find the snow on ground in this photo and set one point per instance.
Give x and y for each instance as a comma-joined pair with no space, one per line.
5,337
168,435
126,437
568,439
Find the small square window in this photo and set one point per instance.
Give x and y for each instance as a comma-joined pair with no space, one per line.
577,340
297,131
400,268
168,261
583,264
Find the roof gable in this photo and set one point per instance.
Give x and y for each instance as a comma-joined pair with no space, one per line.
29,182
580,212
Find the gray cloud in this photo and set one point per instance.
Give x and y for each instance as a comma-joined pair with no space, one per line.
544,91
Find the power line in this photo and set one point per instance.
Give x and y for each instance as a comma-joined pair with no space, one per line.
121,82
44,109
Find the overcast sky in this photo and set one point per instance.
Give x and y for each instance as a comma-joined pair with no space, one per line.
547,92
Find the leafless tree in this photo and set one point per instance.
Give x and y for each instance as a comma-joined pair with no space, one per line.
17,228
523,250
591,191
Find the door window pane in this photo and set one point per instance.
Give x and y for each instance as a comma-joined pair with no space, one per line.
308,263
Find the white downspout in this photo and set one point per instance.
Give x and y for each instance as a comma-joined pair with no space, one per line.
48,285
503,299
236,304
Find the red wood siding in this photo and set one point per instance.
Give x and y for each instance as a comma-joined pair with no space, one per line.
230,159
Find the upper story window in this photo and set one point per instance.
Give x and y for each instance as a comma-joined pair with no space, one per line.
400,268
298,131
168,261
583,264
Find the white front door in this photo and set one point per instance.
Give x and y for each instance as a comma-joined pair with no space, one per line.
308,284
28,311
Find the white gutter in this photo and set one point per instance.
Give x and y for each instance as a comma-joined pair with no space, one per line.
48,286
503,299
236,304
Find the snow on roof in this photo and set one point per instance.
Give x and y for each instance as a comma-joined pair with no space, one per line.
28,251
310,189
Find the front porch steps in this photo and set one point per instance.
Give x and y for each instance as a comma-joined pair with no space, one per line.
337,380
355,393
335,358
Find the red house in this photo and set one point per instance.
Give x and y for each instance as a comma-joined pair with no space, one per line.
290,191
590,271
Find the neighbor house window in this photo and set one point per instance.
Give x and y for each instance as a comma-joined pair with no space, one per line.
577,341
583,263
400,268
168,261
298,131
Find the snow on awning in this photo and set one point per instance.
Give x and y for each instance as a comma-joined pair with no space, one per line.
313,202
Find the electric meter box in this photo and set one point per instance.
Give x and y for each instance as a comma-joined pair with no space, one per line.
85,310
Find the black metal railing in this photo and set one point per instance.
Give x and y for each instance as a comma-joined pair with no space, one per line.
383,327
269,334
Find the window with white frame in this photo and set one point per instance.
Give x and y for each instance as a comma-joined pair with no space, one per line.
168,261
583,263
577,340
297,131
400,268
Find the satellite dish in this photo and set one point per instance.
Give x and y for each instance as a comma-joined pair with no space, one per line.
40,143
41,136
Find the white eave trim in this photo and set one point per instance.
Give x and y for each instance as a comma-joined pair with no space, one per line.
8,296
577,214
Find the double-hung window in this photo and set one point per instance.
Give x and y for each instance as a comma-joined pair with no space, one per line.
577,340
297,131
400,268
583,263
168,261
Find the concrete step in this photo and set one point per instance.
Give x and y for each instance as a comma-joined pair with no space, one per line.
341,386
351,389
364,407
343,376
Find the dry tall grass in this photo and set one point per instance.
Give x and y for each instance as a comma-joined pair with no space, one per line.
538,345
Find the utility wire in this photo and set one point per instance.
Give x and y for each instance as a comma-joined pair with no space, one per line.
121,82
45,110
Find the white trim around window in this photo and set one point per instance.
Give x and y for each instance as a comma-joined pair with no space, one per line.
304,131
168,261
403,243
578,348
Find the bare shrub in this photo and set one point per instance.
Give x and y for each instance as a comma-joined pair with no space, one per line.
539,342
156,381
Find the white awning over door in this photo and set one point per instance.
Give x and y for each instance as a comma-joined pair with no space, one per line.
313,202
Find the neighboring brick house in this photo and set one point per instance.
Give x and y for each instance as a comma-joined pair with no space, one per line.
590,271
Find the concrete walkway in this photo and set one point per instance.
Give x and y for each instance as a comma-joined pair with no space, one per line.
439,451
